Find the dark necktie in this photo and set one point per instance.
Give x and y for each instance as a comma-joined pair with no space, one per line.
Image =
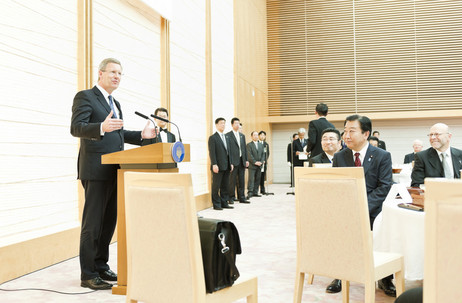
357,160
111,104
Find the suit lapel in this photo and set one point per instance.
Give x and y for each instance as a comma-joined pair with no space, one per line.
100,97
435,161
325,159
368,158
456,163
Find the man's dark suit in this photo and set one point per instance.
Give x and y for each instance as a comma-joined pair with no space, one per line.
315,128
298,146
254,155
427,163
89,110
409,158
239,163
382,145
220,181
321,158
170,138
377,172
263,174
289,159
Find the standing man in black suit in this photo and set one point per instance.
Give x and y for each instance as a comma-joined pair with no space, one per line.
164,134
238,152
331,143
439,161
315,128
417,145
221,165
262,137
290,156
299,150
97,121
382,144
256,157
378,174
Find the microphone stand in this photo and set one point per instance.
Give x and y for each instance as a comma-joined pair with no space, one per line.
168,121
147,118
291,168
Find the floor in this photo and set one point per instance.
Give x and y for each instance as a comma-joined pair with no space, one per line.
268,239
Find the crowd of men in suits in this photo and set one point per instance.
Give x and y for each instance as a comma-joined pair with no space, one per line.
361,147
230,156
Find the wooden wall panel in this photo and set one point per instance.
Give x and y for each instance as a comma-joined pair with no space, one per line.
364,57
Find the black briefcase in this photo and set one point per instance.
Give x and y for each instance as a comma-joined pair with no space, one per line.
220,243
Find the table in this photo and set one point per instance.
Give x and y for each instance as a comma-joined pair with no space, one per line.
401,231
404,176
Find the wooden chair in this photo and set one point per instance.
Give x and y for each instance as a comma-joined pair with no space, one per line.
164,258
443,244
333,232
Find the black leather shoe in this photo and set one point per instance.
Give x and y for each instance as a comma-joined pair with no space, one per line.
387,286
227,206
108,275
235,199
244,201
95,284
231,202
217,208
334,287
257,195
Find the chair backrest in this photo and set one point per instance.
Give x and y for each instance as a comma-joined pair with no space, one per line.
443,240
333,230
164,261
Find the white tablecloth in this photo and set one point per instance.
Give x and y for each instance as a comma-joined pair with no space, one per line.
401,231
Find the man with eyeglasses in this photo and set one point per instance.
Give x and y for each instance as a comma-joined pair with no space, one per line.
330,142
97,121
440,160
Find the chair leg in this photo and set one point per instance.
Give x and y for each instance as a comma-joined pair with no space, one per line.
299,278
310,278
345,291
369,292
399,281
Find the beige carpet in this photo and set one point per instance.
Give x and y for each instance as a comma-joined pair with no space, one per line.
267,231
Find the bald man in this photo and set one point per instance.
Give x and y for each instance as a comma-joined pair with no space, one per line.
440,160
417,145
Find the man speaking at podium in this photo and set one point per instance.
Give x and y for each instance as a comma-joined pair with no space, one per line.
97,121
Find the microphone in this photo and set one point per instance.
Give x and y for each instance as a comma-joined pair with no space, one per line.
142,116
166,120
147,118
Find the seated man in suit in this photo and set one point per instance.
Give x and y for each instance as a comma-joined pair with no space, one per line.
256,157
417,145
440,160
331,143
374,141
164,134
376,163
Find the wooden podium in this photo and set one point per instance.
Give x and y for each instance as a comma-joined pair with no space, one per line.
149,158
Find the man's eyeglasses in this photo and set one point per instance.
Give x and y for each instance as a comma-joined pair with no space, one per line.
113,73
436,135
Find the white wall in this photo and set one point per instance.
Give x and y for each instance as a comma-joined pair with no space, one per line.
397,134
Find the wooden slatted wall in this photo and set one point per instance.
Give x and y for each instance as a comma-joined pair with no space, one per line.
364,56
